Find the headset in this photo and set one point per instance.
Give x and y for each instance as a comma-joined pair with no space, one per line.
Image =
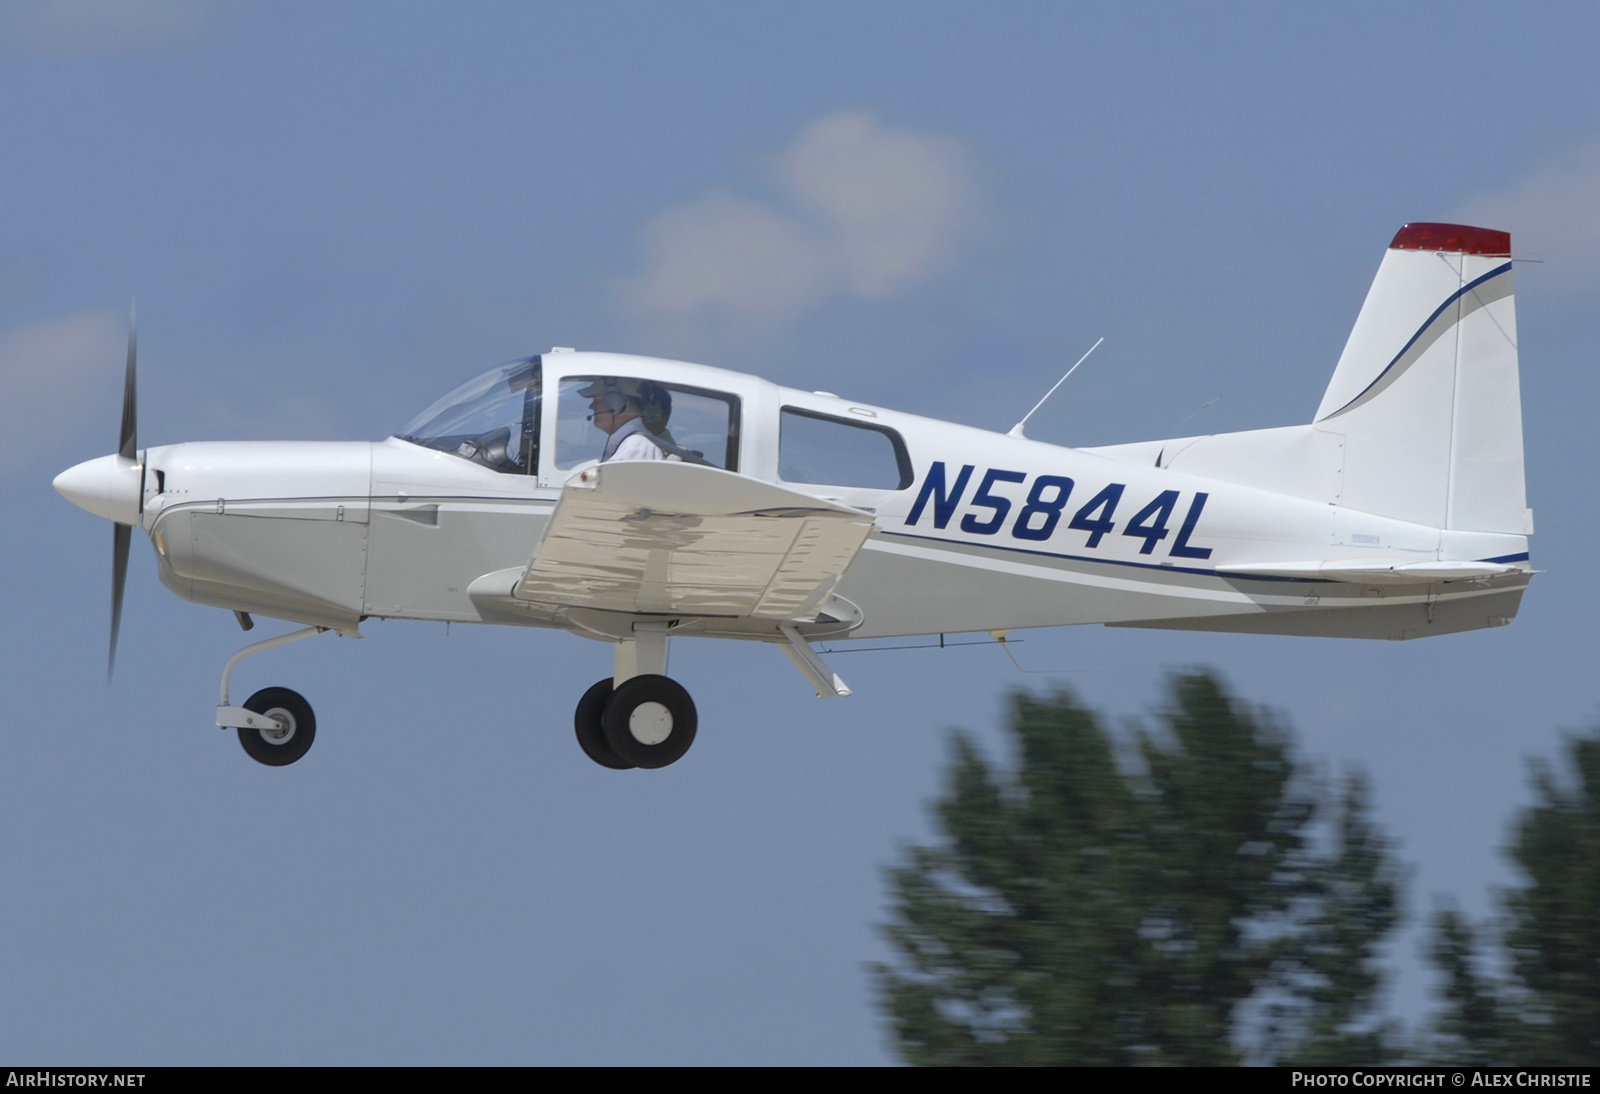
612,399
616,401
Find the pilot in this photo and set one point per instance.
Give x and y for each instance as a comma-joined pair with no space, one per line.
616,408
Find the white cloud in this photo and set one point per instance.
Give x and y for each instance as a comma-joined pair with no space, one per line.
91,27
736,254
862,209
894,202
59,375
1552,213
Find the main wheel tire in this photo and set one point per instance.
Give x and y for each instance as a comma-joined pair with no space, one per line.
589,722
297,727
650,721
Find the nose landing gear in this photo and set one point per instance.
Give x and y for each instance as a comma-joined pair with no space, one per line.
275,725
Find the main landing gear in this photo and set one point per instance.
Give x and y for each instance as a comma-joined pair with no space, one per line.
639,717
647,722
275,725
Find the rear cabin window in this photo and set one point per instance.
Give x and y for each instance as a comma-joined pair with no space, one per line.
818,449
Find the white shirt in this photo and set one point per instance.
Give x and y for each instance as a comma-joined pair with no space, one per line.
632,442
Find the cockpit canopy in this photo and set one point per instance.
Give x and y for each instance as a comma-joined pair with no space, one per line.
492,419
596,400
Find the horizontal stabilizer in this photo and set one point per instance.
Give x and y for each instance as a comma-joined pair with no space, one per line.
663,537
1363,571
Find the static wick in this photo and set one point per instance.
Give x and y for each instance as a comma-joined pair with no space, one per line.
1016,430
1003,639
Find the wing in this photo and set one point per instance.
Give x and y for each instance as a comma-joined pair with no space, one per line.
664,537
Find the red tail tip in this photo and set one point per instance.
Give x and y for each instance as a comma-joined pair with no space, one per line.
1456,238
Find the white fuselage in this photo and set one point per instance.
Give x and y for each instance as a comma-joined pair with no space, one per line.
992,532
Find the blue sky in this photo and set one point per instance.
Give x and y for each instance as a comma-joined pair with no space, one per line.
330,214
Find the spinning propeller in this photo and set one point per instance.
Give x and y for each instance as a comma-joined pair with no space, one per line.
113,487
127,458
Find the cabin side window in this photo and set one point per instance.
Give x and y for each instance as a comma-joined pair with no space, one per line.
685,423
826,451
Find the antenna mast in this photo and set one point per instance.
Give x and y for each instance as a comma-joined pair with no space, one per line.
1016,430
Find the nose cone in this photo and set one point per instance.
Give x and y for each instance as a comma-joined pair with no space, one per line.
107,487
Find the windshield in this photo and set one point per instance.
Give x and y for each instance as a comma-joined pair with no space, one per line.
492,419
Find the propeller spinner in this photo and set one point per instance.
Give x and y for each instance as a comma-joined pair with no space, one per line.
113,487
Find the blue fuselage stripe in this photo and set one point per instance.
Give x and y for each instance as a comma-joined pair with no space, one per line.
1106,561
1523,557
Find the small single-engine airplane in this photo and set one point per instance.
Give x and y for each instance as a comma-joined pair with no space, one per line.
633,500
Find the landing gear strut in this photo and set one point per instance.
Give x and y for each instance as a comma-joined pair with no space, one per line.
275,725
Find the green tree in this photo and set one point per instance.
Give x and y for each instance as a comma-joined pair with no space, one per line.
1078,911
1475,1025
1554,933
1331,964
1548,1010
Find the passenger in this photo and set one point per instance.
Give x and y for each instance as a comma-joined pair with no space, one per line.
655,407
616,410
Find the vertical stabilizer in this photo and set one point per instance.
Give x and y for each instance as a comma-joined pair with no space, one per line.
1426,394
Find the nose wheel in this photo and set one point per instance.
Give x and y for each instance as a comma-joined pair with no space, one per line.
648,722
293,727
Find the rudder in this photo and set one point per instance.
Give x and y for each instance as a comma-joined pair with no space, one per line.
1426,396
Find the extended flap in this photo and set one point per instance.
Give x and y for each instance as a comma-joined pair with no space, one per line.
664,537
